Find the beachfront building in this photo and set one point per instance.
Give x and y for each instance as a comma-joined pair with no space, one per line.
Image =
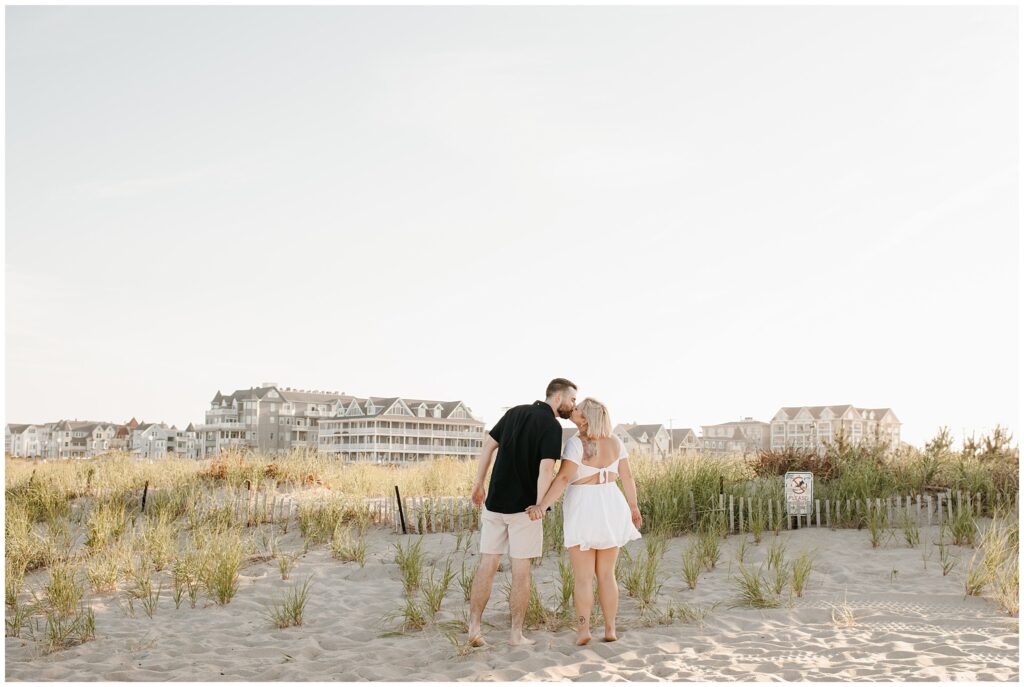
684,441
123,436
273,419
815,426
401,430
744,436
26,441
648,440
85,439
267,419
157,440
73,439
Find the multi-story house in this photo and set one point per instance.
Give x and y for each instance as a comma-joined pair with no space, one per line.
744,436
272,419
816,426
650,440
685,440
123,436
157,440
267,419
84,439
401,430
77,439
29,441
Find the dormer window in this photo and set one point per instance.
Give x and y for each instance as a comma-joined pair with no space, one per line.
421,411
437,411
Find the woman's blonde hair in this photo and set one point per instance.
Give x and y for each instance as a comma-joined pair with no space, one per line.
599,421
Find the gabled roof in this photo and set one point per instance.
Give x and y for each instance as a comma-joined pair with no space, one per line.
680,435
815,411
837,411
568,433
637,431
17,429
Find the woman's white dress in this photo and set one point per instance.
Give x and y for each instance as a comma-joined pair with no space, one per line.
595,516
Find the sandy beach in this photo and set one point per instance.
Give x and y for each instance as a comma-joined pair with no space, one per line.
911,623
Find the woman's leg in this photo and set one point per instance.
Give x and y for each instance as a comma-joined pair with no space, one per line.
608,589
583,592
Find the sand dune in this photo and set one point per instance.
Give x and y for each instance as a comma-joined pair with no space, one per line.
911,624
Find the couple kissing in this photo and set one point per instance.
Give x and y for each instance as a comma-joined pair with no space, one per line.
598,517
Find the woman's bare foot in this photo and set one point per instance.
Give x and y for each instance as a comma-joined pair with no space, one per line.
583,631
610,636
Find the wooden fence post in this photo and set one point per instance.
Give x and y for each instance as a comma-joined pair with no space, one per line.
731,528
401,513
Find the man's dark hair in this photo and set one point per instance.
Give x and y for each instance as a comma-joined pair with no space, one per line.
558,384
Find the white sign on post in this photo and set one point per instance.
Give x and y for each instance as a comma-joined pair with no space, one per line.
799,489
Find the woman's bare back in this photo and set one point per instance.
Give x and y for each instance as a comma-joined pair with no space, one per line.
599,453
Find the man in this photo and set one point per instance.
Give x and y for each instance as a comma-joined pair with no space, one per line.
529,441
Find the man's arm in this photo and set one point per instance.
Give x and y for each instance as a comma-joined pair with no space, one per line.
485,456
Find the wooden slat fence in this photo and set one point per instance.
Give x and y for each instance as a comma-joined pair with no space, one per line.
433,514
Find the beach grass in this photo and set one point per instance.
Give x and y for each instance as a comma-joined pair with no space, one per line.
289,611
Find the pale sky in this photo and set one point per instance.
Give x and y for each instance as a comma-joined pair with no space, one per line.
694,213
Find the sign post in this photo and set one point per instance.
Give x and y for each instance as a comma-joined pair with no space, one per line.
799,491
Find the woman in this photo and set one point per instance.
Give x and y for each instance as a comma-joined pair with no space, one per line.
597,519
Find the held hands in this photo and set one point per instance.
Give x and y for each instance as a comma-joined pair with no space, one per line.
535,512
638,519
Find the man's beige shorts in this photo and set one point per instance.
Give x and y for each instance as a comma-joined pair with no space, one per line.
514,534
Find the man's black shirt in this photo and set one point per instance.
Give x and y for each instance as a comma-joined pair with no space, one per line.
526,435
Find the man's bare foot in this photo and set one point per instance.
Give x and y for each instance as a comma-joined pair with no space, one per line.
517,639
475,638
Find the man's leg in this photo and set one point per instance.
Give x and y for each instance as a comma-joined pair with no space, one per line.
521,575
525,542
481,592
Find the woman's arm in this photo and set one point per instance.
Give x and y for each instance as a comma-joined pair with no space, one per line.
629,489
566,472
